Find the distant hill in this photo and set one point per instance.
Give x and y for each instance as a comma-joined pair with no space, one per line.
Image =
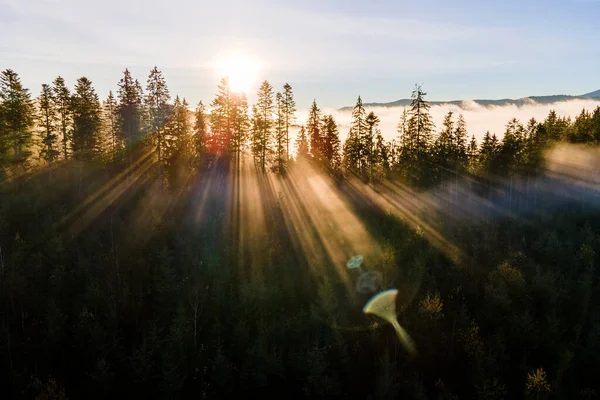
490,103
592,94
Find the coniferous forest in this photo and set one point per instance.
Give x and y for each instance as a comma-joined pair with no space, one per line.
150,248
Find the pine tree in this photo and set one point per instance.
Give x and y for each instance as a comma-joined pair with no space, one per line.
444,146
177,143
351,153
331,143
313,125
130,109
472,153
383,152
111,118
240,125
460,144
87,120
367,144
280,134
302,145
263,124
488,153
404,148
221,118
420,130
157,105
511,150
16,121
47,122
289,112
63,106
200,132
354,145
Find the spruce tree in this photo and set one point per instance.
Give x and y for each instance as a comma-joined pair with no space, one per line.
444,146
221,117
420,130
87,120
280,134
111,118
511,150
302,145
331,143
404,147
157,105
263,124
488,153
472,153
47,122
240,125
177,140
367,143
313,130
63,106
382,154
460,144
17,114
130,109
354,146
289,112
200,132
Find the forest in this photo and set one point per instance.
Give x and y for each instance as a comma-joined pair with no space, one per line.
151,249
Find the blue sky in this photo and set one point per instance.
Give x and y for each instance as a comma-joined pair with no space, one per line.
330,50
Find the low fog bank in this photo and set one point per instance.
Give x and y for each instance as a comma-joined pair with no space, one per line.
571,178
479,118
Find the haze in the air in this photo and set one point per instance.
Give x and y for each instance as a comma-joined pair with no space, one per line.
379,49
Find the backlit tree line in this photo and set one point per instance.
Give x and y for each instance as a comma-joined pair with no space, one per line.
63,123
118,288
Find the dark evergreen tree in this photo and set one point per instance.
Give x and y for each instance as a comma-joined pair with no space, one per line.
87,121
367,145
302,152
63,106
488,153
130,109
354,146
177,142
331,143
263,125
472,153
221,118
47,122
315,138
280,134
201,133
510,154
241,125
111,118
444,147
157,106
17,114
420,135
459,145
383,154
289,112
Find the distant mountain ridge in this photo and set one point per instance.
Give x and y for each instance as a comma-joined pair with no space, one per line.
490,103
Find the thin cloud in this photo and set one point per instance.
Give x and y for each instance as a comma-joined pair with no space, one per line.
479,119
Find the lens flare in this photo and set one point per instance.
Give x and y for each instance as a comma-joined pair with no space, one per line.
384,306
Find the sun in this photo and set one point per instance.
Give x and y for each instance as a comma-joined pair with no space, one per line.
241,69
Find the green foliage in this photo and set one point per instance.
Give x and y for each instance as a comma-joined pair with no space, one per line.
87,121
16,122
222,286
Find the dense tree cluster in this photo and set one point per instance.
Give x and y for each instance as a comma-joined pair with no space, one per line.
113,286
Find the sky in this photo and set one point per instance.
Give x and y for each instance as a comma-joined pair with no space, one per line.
329,50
